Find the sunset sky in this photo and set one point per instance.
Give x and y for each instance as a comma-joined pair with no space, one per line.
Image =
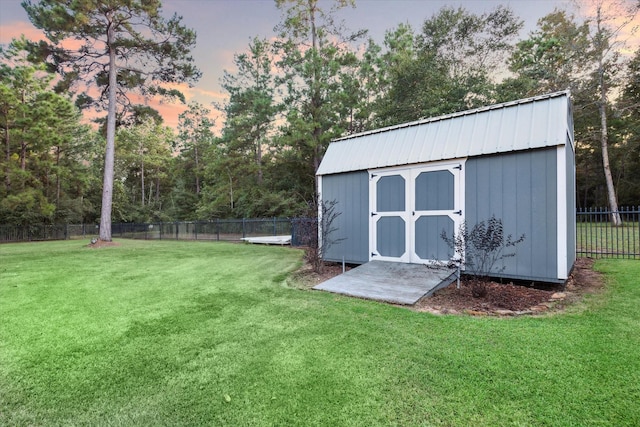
225,27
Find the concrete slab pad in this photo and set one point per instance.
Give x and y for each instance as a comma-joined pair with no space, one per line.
390,281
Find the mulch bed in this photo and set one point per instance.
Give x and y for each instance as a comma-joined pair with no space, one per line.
500,300
510,299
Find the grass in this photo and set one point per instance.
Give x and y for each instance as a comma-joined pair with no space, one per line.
202,333
599,239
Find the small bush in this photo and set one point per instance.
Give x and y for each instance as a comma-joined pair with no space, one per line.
478,251
317,242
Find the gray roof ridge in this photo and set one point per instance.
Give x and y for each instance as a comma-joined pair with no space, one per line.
477,110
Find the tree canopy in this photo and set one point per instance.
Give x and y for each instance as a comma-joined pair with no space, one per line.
287,96
126,45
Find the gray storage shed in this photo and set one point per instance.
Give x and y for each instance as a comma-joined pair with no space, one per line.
398,187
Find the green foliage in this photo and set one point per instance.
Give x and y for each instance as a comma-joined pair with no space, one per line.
314,56
564,53
244,151
446,68
151,50
627,151
144,157
44,177
555,56
195,137
286,101
137,50
25,208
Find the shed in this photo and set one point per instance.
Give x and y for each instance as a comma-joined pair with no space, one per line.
397,188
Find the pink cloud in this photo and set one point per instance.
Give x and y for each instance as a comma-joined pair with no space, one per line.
617,17
170,111
15,29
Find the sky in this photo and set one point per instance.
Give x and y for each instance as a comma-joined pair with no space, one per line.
225,28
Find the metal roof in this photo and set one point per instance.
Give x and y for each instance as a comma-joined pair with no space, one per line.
537,122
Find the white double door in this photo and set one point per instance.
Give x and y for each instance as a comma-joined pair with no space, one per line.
410,208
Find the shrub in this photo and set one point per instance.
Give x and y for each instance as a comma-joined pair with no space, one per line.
316,247
478,251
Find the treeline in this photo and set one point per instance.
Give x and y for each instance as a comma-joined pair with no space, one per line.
289,98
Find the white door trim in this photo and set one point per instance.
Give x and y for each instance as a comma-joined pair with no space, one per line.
410,173
375,216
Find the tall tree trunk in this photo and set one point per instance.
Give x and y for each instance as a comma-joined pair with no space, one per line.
604,135
259,163
195,148
230,189
316,100
142,181
7,178
58,177
23,155
158,186
611,191
23,144
107,183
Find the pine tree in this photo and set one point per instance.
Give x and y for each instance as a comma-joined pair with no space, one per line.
126,45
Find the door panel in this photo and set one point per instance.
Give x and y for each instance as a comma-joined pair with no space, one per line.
391,194
435,190
390,219
411,208
437,210
391,236
428,241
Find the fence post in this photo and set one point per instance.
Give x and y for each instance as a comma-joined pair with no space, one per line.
292,224
243,229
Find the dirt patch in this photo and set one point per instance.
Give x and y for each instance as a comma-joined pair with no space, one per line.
500,300
306,278
97,244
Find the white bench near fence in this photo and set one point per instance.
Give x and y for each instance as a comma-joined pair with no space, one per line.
269,240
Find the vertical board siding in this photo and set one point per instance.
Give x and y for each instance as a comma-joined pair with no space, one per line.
351,192
520,189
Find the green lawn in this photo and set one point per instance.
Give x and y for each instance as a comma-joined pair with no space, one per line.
600,239
202,333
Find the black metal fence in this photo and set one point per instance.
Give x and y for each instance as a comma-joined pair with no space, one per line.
36,232
597,237
220,229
